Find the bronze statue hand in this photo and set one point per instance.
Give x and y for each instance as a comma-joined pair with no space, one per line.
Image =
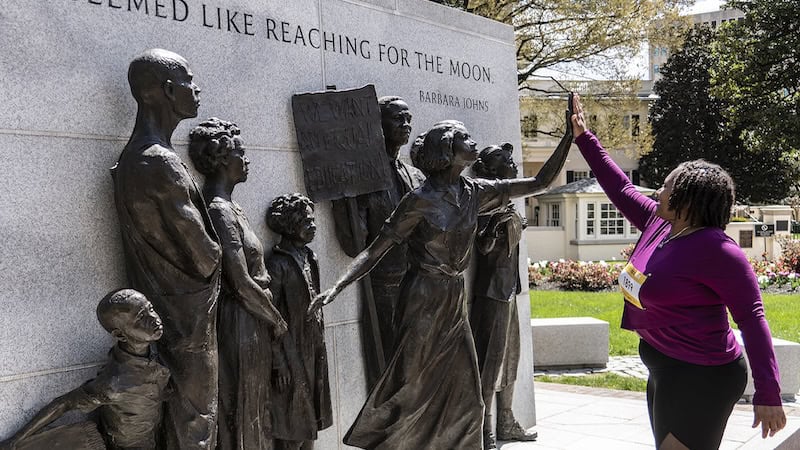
320,301
280,329
282,379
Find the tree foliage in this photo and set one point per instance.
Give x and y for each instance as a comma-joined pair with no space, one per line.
758,75
688,123
597,33
616,115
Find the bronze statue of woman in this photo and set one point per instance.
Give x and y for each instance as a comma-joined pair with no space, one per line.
429,396
247,319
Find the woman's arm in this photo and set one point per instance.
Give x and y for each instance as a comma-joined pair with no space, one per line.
358,268
254,299
732,278
635,206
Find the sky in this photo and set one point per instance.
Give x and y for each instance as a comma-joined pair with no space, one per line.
704,6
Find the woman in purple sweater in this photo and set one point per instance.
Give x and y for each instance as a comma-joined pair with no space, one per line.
683,277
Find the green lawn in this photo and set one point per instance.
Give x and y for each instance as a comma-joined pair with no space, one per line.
781,314
605,380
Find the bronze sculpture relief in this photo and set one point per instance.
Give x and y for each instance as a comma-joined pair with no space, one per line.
494,318
247,319
373,210
172,253
301,395
429,395
127,392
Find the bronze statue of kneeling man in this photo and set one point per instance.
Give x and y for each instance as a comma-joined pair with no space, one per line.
128,392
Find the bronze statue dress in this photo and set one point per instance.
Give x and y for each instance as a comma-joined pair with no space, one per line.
245,341
429,396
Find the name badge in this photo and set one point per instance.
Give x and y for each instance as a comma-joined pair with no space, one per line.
630,283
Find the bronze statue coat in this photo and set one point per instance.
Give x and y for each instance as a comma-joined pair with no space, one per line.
494,317
173,258
303,408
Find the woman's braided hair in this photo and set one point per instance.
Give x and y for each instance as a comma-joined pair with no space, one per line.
705,192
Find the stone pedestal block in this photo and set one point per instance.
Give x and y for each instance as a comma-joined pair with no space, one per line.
569,342
788,355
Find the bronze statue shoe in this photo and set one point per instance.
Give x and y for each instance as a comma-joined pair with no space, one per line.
508,429
488,440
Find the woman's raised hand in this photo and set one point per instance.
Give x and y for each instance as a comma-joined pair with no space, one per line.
578,120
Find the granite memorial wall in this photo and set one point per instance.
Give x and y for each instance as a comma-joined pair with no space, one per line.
66,112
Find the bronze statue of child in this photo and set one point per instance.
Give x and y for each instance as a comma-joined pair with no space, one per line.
494,318
301,396
127,392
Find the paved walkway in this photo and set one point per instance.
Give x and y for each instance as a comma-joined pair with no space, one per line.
629,366
582,418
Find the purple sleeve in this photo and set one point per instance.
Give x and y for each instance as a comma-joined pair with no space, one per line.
636,207
733,279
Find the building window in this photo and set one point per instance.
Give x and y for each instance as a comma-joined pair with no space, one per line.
553,215
575,175
580,174
590,219
530,124
746,238
611,221
656,69
781,225
631,122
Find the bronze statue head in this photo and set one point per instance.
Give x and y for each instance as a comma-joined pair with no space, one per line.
160,78
496,162
396,123
446,144
129,316
215,145
292,216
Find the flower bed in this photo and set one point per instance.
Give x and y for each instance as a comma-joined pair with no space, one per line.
574,275
781,276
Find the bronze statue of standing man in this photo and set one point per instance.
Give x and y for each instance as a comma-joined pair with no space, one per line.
172,253
373,210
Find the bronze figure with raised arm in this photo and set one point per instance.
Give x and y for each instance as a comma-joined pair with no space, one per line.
429,395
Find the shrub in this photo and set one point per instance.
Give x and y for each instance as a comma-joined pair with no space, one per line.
790,254
535,277
582,276
627,251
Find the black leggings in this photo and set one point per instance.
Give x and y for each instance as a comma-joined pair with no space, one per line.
690,401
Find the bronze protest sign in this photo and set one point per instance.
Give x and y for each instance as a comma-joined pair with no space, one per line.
341,143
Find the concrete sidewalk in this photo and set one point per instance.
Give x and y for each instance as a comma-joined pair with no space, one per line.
581,418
